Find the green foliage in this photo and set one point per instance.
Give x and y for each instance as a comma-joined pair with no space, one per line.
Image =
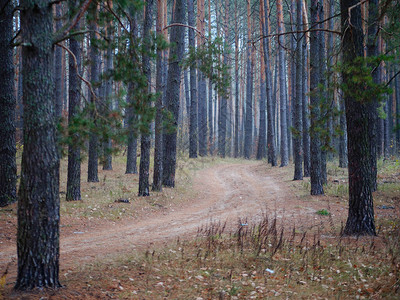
207,59
323,212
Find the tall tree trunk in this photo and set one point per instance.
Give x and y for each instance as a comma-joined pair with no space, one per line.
305,92
131,117
315,142
264,9
144,168
202,87
360,219
248,144
158,144
397,91
322,92
282,90
8,165
74,151
94,76
373,43
58,66
172,92
107,144
237,112
262,138
193,136
210,94
39,202
297,109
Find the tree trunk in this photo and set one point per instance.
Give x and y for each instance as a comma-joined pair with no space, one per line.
158,144
172,92
282,90
94,76
305,92
315,142
237,112
210,95
248,144
297,109
8,165
58,67
107,144
74,151
360,219
39,202
193,137
144,168
202,87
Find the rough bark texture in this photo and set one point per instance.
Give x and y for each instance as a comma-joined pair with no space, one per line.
74,152
58,67
8,165
93,161
158,142
372,51
172,92
144,168
39,202
193,136
282,89
360,219
343,137
297,109
315,143
131,156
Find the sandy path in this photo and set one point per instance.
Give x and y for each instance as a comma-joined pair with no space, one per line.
225,193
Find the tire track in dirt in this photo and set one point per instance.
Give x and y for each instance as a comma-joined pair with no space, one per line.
225,193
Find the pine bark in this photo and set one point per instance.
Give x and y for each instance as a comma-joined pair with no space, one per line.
360,219
158,143
74,152
237,83
144,167
172,92
58,67
39,202
297,110
315,142
93,161
8,165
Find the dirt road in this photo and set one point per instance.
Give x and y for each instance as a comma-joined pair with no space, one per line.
225,193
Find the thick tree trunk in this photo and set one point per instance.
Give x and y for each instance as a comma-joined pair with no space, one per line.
172,92
8,165
315,142
144,168
360,219
158,144
58,67
74,151
297,109
93,161
39,202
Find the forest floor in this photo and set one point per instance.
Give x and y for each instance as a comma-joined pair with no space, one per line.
231,229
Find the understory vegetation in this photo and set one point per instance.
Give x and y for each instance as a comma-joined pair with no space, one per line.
257,260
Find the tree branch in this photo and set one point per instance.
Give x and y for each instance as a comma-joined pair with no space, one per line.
75,20
184,25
